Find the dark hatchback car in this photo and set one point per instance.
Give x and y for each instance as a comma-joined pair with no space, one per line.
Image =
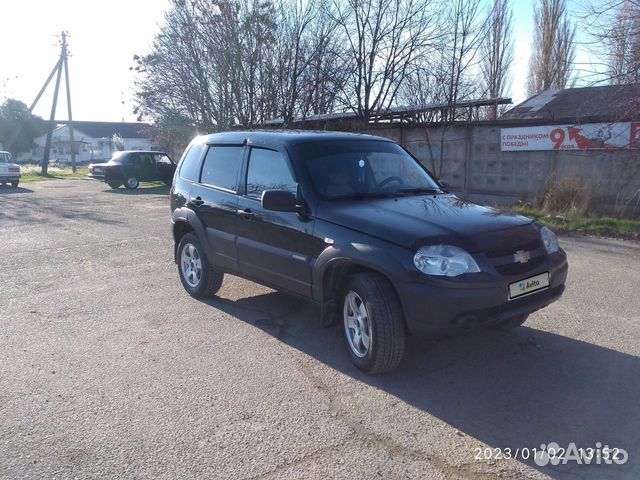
130,167
358,225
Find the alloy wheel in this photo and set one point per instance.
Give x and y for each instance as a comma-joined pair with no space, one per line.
191,265
356,324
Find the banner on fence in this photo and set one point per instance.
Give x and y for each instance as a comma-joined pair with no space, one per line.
590,136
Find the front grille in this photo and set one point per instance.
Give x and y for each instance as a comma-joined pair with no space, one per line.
519,268
501,246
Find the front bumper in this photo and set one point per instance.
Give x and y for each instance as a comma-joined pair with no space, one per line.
96,176
461,306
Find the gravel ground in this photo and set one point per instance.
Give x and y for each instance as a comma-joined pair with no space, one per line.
108,369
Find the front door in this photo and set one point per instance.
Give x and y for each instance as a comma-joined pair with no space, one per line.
165,168
273,247
215,202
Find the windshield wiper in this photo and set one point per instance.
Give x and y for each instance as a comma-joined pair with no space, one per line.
361,195
426,190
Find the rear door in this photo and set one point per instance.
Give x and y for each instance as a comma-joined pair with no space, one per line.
214,199
273,247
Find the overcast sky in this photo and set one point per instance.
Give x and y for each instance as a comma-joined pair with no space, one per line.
104,36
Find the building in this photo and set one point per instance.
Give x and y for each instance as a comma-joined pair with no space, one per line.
93,141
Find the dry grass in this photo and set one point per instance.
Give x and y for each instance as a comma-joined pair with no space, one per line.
31,173
569,197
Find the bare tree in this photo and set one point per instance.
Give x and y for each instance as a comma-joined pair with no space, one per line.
496,51
462,47
622,40
383,39
613,39
553,55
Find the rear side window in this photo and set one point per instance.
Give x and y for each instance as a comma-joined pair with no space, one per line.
268,170
190,168
221,166
162,159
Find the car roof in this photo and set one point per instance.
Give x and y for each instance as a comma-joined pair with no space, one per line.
285,137
122,152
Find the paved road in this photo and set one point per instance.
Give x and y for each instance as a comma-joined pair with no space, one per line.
108,369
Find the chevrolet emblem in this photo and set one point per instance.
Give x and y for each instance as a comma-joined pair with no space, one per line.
521,256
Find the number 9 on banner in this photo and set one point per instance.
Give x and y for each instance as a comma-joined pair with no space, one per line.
557,136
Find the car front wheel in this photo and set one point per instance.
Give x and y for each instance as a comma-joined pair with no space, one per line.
373,323
131,183
198,278
114,183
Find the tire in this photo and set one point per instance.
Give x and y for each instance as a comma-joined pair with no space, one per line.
203,282
15,183
114,184
131,183
511,323
381,318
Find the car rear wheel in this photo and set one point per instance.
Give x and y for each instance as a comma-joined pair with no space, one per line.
15,183
198,278
512,323
373,324
131,183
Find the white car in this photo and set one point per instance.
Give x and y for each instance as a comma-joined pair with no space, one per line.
9,172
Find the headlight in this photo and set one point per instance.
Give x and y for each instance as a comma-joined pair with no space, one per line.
550,240
444,260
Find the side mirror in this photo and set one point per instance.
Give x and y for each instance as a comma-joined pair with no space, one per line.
279,201
444,184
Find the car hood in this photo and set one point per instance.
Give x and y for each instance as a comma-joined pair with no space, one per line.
418,220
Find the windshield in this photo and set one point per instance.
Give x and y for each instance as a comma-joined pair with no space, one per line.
363,168
5,157
118,157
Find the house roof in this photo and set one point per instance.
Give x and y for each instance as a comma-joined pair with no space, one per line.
108,129
587,104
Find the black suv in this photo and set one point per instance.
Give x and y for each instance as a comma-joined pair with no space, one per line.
357,224
130,167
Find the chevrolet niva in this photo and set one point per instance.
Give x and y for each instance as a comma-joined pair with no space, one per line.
358,225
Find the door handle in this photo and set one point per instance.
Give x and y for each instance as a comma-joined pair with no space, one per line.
197,202
246,213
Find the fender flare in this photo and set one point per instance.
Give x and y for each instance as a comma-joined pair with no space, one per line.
366,256
187,216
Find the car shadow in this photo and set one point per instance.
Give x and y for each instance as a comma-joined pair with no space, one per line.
519,390
142,190
9,190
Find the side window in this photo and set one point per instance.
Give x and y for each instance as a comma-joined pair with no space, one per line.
268,170
162,159
145,160
190,168
221,166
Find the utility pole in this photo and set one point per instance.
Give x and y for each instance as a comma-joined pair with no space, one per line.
63,56
61,64
52,122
